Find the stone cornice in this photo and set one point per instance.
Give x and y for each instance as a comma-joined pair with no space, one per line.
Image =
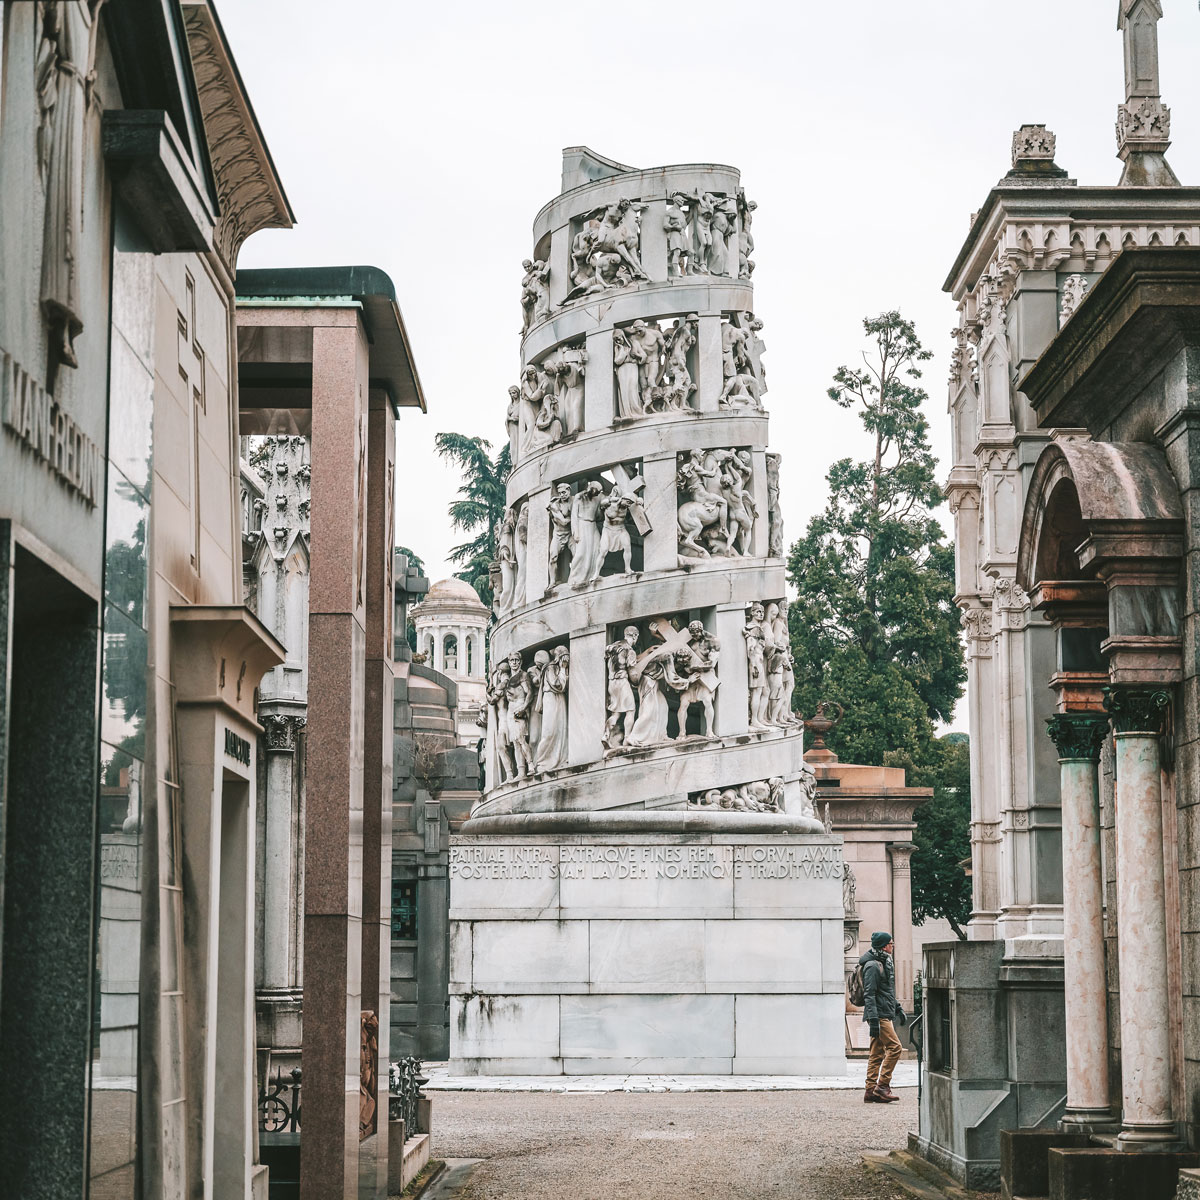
248,188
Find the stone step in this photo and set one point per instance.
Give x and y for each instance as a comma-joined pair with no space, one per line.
1098,1173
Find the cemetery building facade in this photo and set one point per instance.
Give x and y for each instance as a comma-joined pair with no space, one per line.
131,171
1071,404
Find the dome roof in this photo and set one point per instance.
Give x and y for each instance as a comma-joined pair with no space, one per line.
451,596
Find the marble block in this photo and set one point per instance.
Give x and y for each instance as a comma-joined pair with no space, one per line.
596,954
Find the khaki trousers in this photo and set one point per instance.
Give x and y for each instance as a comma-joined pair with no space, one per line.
885,1053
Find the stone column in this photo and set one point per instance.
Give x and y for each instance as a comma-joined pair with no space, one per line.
661,546
281,731
587,696
599,407
901,928
1137,717
653,247
537,569
733,696
709,379
1079,737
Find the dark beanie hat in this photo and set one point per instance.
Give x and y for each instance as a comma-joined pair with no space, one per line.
879,940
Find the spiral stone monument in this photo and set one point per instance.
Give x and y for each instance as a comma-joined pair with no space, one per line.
644,886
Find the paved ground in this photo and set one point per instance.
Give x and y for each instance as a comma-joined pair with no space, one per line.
799,1145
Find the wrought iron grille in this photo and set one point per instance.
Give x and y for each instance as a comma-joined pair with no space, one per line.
279,1104
405,1082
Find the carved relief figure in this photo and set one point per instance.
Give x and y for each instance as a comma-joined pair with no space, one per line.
64,79
518,694
570,387
703,506
676,377
497,696
625,365
702,236
620,658
746,239
724,222
774,511
521,551
506,557
764,795
776,650
699,668
735,366
756,669
647,343
535,293
735,473
675,223
585,534
512,421
559,509
615,536
552,744
541,660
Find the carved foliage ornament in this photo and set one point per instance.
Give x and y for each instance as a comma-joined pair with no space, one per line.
1032,143
1137,710
1078,736
280,731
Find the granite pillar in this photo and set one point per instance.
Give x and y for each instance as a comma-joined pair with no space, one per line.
377,785
1079,737
333,865
1147,1117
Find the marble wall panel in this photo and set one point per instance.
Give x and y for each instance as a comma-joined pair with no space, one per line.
505,1026
546,956
791,1034
629,1026
766,956
647,956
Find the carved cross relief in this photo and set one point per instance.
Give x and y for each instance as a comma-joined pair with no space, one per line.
191,361
628,485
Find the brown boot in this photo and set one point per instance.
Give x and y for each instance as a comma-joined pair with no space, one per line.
885,1095
869,1096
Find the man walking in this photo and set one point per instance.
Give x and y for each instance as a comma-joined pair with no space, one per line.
880,1010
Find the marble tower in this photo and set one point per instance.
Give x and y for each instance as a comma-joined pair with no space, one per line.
644,885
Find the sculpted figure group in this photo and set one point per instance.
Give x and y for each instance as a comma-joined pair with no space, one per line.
770,667
744,381
590,524
548,402
716,508
765,795
529,707
651,368
512,557
703,235
605,253
683,662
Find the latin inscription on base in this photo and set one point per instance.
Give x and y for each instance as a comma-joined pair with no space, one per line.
646,862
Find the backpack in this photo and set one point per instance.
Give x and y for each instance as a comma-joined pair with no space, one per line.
855,992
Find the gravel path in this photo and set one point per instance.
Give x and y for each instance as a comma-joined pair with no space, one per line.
751,1145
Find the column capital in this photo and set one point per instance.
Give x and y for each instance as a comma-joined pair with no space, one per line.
1078,735
1137,709
280,730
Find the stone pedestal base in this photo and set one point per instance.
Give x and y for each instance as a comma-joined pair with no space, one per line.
646,952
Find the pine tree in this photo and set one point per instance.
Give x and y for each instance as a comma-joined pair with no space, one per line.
480,507
874,625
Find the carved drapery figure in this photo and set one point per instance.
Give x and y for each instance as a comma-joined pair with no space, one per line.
655,675
620,657
559,509
521,551
535,293
497,697
746,239
512,421
570,373
552,742
776,650
724,226
518,694
506,557
756,667
64,78
648,344
541,660
625,366
740,388
808,791
774,510
585,534
541,425
705,206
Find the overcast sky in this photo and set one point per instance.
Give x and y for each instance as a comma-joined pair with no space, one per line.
423,137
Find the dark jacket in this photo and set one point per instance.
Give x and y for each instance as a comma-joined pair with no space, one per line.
879,987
